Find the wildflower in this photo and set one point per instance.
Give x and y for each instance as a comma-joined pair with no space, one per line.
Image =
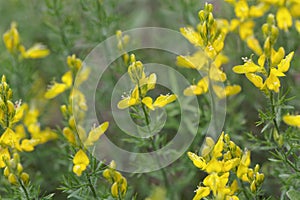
210,36
267,79
80,161
119,182
11,38
220,160
12,42
143,84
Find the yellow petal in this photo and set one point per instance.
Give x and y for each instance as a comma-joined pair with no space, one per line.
284,65
192,36
151,81
81,158
254,45
78,169
276,57
163,100
69,135
292,120
258,10
4,156
248,67
273,83
96,133
246,29
201,192
284,18
124,103
193,90
11,38
255,79
28,145
232,90
148,102
197,160
67,78
241,10
36,51
55,89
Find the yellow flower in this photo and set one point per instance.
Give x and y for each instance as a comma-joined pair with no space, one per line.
292,120
200,88
196,61
254,45
241,10
11,38
80,161
58,88
192,36
95,134
284,18
4,155
36,51
133,99
201,192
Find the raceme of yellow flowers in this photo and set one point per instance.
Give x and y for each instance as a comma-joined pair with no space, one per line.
13,44
220,161
143,84
209,37
271,63
75,133
18,121
119,183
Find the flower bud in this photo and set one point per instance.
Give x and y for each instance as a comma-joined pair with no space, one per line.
115,189
12,179
6,171
201,15
253,187
19,168
25,178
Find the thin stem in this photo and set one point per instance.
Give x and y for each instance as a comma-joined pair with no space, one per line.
91,186
164,174
273,112
24,189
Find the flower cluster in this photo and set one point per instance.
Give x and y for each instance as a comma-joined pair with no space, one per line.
17,122
210,36
13,44
143,84
266,78
224,161
122,42
119,182
286,11
75,133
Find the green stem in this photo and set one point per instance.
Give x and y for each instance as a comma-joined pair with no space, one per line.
24,189
273,112
164,174
91,186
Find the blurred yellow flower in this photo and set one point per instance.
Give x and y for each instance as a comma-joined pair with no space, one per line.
292,120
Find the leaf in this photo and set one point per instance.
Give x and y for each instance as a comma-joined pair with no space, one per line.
293,194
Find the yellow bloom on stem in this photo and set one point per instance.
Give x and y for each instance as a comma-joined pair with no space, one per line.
58,88
292,120
133,99
95,134
80,161
11,38
36,51
4,155
192,36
